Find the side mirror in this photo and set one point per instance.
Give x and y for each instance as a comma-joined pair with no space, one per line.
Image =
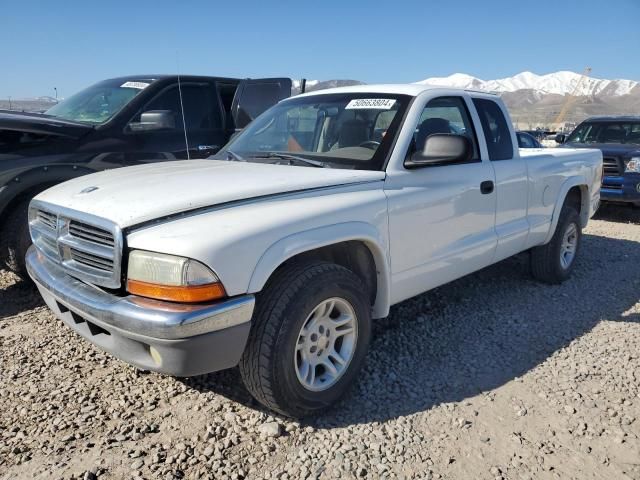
154,120
441,149
561,138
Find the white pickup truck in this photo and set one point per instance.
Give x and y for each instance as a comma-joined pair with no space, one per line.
277,254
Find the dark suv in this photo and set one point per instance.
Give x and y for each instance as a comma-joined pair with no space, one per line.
619,140
115,123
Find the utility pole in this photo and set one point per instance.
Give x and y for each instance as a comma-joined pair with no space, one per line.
56,90
9,103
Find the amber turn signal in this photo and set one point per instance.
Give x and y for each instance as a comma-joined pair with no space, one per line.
171,293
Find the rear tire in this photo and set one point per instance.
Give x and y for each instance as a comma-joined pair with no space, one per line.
15,239
553,263
283,365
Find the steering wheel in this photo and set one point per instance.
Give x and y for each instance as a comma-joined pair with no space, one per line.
372,144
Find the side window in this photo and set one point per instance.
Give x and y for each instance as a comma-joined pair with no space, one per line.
496,131
524,141
200,103
634,134
445,115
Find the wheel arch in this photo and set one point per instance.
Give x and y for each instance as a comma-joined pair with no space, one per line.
355,245
34,181
575,191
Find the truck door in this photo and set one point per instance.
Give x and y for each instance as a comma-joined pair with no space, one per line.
512,225
256,95
202,121
441,217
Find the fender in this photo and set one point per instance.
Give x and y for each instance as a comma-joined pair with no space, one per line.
569,183
46,176
307,240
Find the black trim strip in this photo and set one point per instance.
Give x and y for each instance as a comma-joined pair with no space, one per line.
233,203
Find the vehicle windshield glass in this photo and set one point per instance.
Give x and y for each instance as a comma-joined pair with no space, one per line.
98,103
606,132
347,130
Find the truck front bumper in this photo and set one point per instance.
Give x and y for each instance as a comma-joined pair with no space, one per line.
624,188
177,339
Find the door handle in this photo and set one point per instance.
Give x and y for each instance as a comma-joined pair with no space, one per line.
486,187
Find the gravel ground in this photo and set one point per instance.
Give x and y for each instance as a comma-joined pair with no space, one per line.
492,376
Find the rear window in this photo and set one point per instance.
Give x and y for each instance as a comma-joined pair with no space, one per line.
256,96
496,130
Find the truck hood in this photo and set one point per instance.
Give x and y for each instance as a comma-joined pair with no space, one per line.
609,149
134,195
41,124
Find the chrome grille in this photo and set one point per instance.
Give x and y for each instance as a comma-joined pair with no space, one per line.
91,233
48,219
91,260
44,232
51,244
88,247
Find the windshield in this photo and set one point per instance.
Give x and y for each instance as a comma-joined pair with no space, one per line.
98,103
606,132
353,130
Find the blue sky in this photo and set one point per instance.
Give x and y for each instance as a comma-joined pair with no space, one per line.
70,44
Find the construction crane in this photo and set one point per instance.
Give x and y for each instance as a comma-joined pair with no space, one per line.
569,100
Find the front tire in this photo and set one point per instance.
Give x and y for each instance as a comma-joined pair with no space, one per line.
553,263
15,239
309,339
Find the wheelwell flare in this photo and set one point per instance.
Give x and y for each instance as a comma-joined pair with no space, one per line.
351,254
28,193
578,198
574,198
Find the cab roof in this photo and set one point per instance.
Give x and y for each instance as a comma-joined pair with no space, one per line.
412,89
614,118
164,76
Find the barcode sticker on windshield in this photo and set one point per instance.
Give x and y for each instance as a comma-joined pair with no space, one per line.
138,85
376,103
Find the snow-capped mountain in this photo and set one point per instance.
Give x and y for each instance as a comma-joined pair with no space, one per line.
560,83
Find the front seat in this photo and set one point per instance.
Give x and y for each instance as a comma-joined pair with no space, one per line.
352,133
429,127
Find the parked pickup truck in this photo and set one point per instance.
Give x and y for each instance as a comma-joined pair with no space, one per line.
114,123
619,140
323,213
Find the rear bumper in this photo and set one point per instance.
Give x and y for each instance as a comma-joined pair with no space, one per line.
176,339
624,188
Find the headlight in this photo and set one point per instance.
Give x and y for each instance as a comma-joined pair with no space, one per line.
168,277
633,165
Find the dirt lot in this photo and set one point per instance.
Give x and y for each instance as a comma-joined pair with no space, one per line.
493,376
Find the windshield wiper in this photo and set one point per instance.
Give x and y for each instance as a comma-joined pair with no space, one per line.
292,158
